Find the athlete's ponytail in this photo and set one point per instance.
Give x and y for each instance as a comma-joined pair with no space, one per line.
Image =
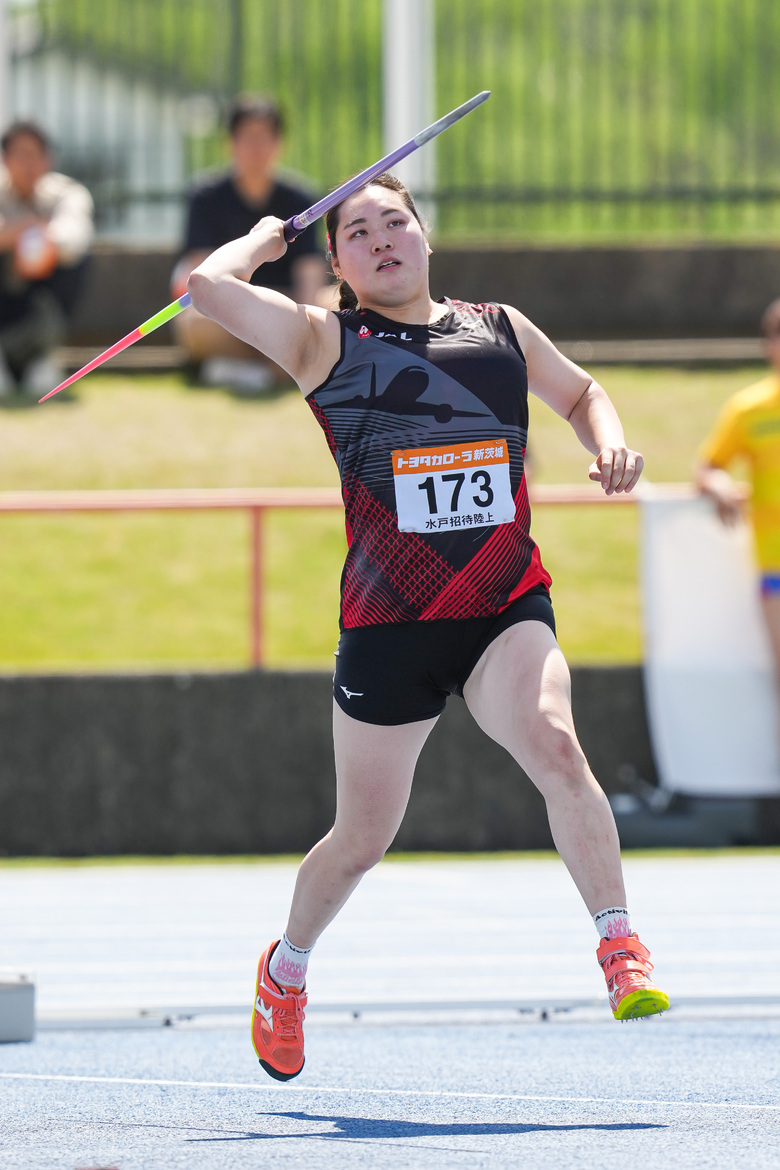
347,296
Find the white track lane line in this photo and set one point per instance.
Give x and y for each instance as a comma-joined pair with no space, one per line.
251,1087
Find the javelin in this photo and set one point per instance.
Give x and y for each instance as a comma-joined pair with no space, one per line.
292,228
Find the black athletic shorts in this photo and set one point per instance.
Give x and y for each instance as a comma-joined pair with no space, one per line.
402,672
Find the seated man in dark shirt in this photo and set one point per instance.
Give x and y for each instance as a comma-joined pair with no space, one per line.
224,207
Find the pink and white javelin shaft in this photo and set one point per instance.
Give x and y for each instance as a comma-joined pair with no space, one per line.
292,228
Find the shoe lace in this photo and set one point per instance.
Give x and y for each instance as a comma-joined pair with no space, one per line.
289,1018
627,981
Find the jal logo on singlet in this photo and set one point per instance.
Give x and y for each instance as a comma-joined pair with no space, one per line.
465,485
364,332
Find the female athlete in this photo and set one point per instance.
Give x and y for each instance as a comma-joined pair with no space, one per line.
424,406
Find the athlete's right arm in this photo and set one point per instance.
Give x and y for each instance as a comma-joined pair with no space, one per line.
303,339
728,496
723,445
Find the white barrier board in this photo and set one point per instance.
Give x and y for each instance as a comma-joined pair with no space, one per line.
711,697
17,1007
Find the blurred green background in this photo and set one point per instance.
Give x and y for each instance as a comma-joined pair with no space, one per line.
610,119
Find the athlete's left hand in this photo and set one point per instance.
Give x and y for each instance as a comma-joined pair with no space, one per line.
617,469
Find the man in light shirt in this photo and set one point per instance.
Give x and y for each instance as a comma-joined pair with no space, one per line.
46,228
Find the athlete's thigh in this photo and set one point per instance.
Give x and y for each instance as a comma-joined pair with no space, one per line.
520,694
374,771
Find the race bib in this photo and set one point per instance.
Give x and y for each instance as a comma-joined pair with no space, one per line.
462,486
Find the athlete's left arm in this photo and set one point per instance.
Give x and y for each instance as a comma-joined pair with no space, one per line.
574,395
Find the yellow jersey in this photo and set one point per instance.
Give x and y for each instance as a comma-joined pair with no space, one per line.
748,427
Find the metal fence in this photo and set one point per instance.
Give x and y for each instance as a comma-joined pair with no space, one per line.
258,502
610,119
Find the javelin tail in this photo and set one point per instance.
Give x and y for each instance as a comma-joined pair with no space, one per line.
164,315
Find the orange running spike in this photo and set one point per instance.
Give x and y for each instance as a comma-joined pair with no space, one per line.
277,1023
626,966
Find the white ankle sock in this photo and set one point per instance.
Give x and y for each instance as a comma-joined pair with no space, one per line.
614,922
288,964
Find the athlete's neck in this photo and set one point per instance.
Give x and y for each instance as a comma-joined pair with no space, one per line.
421,311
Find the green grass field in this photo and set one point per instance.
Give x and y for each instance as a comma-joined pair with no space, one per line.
168,591
608,120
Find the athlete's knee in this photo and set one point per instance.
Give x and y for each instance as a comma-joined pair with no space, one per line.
558,760
364,858
357,855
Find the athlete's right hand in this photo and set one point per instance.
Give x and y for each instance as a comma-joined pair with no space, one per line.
729,502
273,233
728,496
617,469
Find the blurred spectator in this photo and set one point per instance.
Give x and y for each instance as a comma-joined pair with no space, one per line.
45,232
225,207
748,429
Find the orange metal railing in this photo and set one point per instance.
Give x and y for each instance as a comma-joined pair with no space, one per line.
257,501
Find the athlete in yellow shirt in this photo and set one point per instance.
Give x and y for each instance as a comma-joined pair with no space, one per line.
748,428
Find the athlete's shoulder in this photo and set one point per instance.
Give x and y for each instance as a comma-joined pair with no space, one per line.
475,308
349,315
355,321
757,396
54,185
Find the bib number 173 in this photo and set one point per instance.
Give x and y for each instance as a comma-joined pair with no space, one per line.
463,486
482,499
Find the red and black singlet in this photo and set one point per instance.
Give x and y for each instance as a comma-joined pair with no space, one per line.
428,426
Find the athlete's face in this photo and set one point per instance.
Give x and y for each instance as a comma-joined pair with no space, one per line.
381,250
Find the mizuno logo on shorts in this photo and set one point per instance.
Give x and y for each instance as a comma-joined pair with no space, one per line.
352,694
